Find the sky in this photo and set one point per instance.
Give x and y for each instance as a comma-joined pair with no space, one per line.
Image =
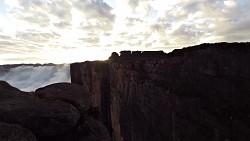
66,31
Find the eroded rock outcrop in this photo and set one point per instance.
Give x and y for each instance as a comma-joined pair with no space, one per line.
43,118
89,126
193,94
12,132
7,88
58,112
67,92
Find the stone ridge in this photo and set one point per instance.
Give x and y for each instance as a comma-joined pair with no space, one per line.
136,54
191,94
158,54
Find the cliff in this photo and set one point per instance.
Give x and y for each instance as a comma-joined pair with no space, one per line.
192,94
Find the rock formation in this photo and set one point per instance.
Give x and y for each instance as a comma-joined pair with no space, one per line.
58,112
12,132
198,93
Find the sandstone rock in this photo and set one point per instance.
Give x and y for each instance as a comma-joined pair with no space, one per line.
50,117
192,94
7,88
96,81
42,117
66,92
12,132
114,56
94,130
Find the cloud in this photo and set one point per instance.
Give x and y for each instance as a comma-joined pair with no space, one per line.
90,40
98,16
95,9
29,78
41,12
197,21
18,59
54,30
4,36
36,36
43,29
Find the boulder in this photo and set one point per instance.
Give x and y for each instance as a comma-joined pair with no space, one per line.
12,132
7,88
94,130
66,92
42,117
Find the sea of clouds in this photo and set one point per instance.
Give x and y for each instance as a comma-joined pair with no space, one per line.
29,78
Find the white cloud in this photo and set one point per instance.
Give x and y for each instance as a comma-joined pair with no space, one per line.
29,78
230,3
47,28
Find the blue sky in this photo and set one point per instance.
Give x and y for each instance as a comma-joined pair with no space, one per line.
111,3
65,31
2,7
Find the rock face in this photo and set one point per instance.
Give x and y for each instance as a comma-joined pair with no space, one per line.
94,77
7,88
43,118
193,94
58,112
12,132
67,92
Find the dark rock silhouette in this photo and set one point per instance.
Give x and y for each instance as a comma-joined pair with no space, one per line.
94,130
114,55
96,82
7,88
191,94
12,132
128,55
58,112
43,118
67,92
198,93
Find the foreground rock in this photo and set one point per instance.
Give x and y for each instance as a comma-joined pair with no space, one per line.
60,112
90,127
67,92
7,88
12,132
43,118
94,130
199,93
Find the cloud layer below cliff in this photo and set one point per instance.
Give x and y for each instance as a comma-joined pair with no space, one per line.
29,78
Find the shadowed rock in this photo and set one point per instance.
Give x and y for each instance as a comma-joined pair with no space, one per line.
12,132
7,88
198,93
60,112
66,92
43,118
94,130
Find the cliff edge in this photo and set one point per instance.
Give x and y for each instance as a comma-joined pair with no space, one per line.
191,94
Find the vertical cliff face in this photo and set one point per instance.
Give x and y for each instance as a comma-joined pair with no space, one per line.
94,77
193,94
